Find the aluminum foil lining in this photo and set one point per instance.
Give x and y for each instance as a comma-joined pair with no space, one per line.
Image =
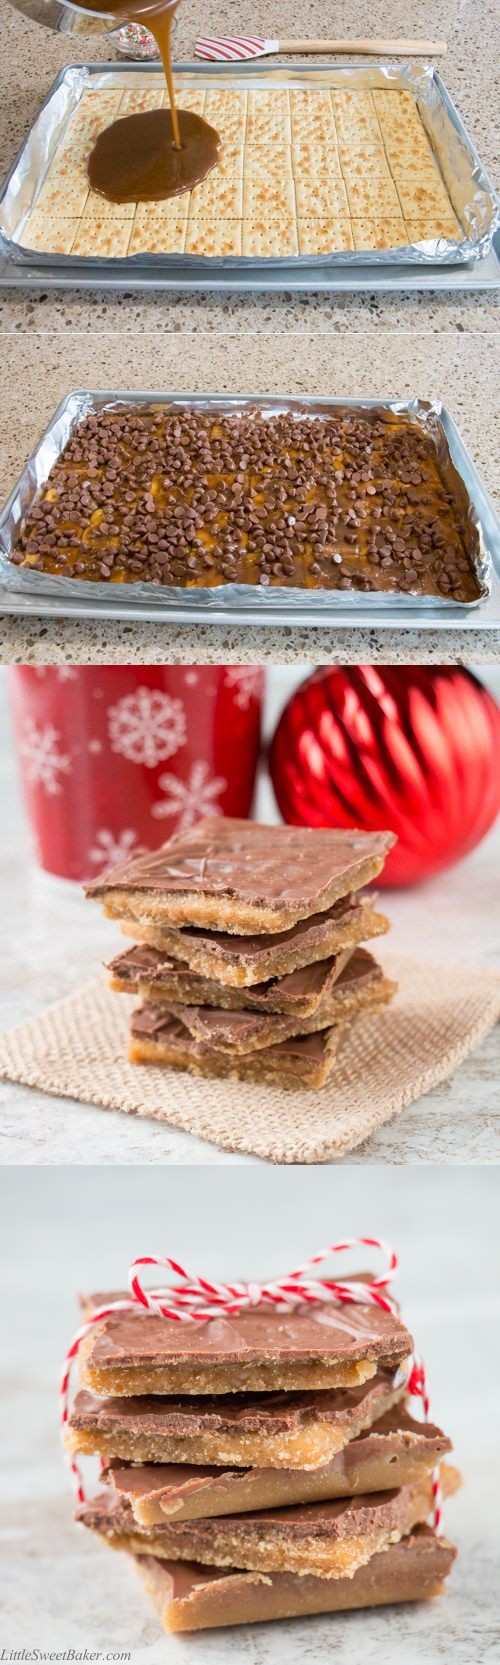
469,188
456,470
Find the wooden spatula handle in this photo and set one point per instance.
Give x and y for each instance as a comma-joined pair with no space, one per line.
375,48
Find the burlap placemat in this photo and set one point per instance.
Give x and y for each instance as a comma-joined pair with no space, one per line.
77,1049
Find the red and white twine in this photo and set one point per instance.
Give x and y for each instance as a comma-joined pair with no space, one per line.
195,1299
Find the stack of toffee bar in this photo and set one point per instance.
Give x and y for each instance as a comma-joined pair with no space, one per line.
247,951
261,1466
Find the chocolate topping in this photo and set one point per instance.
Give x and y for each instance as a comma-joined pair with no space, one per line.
144,964
245,860
334,1333
332,1518
148,1023
252,948
140,962
245,1413
215,1029
345,500
149,1479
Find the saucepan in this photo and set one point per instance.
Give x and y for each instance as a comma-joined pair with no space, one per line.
69,19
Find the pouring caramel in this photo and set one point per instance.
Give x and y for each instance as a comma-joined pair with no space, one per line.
156,153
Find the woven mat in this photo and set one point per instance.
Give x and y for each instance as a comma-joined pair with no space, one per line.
76,1049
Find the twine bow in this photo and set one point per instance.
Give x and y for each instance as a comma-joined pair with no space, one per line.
195,1299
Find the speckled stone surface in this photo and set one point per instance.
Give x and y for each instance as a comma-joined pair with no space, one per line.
31,57
40,369
63,1590
48,924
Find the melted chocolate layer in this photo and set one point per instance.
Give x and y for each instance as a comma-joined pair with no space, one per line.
334,1518
148,1023
246,859
244,1413
335,1333
144,964
251,948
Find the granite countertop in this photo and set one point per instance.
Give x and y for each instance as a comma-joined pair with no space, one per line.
461,371
48,924
63,1589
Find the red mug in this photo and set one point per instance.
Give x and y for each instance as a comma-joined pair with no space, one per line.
114,759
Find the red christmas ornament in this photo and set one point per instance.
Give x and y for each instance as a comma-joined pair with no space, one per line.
115,759
415,750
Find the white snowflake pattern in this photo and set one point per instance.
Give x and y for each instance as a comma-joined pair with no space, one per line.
189,800
247,682
147,726
95,746
43,761
110,848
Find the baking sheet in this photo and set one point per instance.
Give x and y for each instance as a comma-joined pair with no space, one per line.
481,277
24,590
467,183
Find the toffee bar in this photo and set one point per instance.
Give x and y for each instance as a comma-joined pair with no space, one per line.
360,985
157,976
258,1350
303,1061
325,988
330,1539
249,961
396,1450
241,876
193,1597
265,1431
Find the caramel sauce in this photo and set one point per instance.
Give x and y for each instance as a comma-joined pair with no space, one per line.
157,153
137,160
